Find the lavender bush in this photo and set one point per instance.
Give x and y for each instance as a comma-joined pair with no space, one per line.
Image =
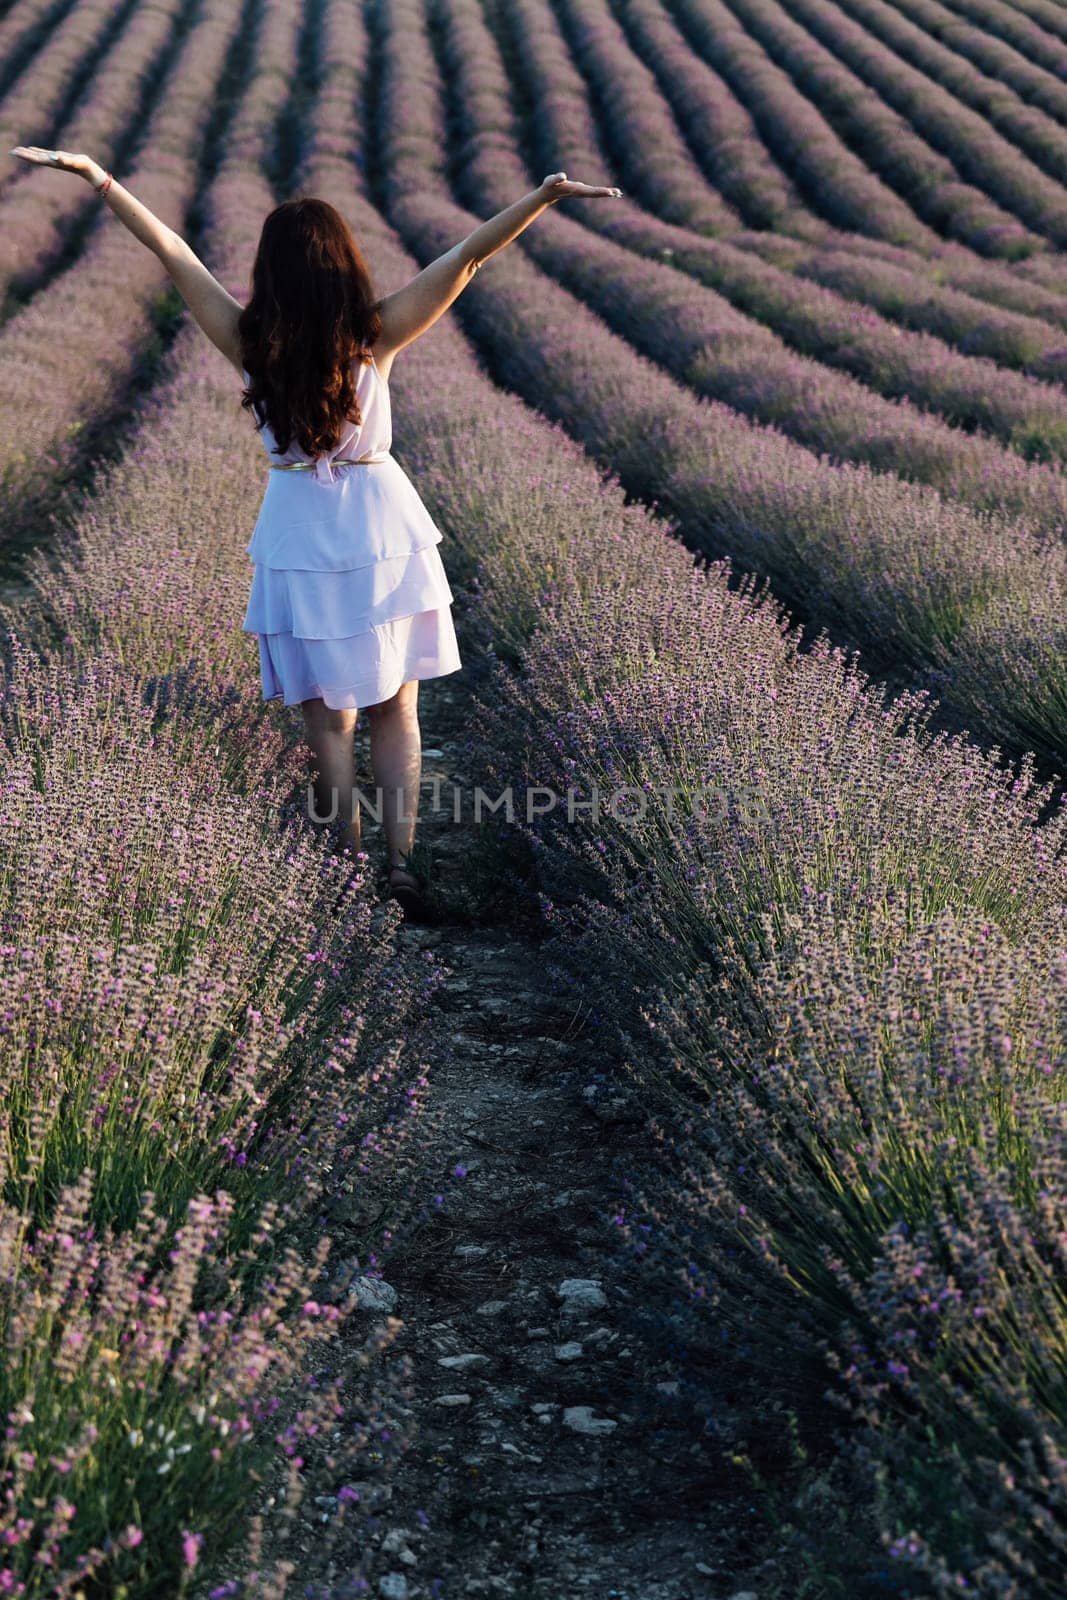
973,143
70,355
211,1049
1018,115
37,96
907,289
891,564
910,880
38,218
910,164
730,357
1033,35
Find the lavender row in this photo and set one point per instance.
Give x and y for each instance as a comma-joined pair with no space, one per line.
1017,99
22,28
956,107
965,391
633,108
659,41
36,218
965,179
1028,287
809,144
69,355
958,313
913,575
866,812
664,172
227,1021
37,97
1033,40
511,473
712,348
720,131
834,180
196,1009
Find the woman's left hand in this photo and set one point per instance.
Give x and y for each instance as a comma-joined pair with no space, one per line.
84,166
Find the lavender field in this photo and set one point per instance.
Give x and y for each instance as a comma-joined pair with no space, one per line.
682,1216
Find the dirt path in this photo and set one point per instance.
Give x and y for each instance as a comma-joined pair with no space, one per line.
547,1462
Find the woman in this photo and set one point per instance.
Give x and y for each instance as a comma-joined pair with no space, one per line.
349,600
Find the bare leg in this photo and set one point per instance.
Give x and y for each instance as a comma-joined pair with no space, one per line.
331,735
396,757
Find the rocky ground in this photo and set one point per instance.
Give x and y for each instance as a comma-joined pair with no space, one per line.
551,1457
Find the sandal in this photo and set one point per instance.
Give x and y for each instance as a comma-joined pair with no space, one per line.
408,894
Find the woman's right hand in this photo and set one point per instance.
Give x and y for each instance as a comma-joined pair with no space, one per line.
557,186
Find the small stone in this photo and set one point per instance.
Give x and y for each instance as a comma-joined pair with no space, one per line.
461,1363
393,1586
471,1251
580,1419
702,1567
562,1199
668,1388
538,1333
745,1594
568,1352
371,1493
539,1407
395,1540
373,1294
433,755
492,1308
582,1294
453,1400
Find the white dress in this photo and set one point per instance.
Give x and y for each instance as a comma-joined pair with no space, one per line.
349,597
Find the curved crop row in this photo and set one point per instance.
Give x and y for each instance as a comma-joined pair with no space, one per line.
659,165
37,218
832,178
697,336
883,139
934,377
1040,137
949,39
21,31
1008,22
912,575
865,814
227,1028
1031,342
719,130
563,117
856,197
69,355
1047,17
29,108
942,137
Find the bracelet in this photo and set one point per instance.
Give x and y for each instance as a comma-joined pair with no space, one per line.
102,188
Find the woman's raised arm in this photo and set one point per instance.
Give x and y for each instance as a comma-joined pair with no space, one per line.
414,308
212,306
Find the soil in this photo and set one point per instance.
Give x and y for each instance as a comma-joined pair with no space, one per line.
498,1494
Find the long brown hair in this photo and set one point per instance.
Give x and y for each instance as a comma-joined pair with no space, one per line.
312,313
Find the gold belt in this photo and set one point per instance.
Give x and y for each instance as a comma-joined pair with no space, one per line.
337,461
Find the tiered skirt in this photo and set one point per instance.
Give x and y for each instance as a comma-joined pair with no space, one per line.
351,634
